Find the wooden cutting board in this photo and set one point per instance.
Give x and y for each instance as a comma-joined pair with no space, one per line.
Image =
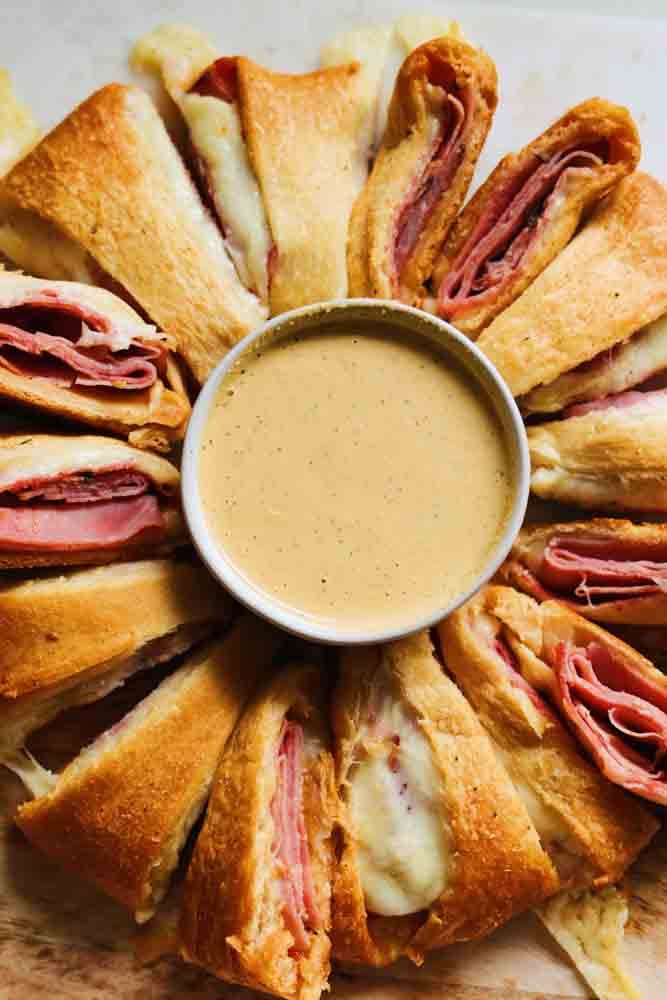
62,940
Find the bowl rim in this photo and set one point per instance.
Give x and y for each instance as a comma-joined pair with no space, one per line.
262,603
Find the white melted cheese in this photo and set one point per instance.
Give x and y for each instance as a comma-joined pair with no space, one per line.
589,927
397,815
36,778
39,248
180,55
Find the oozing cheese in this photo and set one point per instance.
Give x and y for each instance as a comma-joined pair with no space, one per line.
36,778
40,248
589,926
180,55
396,811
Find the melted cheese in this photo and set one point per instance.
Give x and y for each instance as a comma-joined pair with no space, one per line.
36,778
400,830
41,249
180,55
589,926
18,131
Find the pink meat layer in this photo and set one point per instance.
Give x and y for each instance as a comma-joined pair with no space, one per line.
38,338
620,401
80,527
290,840
444,161
219,80
504,231
618,714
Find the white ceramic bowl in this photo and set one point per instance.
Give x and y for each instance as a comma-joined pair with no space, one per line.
315,318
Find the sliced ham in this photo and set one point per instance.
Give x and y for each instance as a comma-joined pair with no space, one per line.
80,527
586,570
219,80
290,840
445,158
46,336
618,714
506,228
620,401
517,680
90,486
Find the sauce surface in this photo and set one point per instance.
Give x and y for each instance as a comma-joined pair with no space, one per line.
358,478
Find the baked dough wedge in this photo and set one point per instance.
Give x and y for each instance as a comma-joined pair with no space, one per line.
607,569
440,113
75,499
18,131
109,177
611,697
307,140
119,814
610,281
529,209
436,845
256,904
84,354
591,830
606,456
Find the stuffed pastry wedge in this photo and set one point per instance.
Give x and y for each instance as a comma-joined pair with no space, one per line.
528,210
256,905
436,845
591,830
612,698
440,113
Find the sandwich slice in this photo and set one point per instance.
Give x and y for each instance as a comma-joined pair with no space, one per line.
256,904
205,89
69,640
109,179
436,845
119,814
591,830
612,698
84,354
608,570
306,136
608,283
529,209
610,456
440,113
80,499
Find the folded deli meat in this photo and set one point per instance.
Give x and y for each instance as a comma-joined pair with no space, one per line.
82,353
609,282
528,209
611,697
608,570
257,899
440,112
75,499
109,179
591,830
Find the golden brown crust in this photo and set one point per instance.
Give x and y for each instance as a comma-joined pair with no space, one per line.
584,125
120,812
600,829
407,146
606,284
58,626
497,865
161,410
109,177
231,919
529,546
612,460
305,145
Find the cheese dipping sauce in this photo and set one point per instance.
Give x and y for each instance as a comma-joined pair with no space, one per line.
358,478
